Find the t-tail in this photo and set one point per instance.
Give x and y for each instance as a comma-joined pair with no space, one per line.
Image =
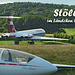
10,23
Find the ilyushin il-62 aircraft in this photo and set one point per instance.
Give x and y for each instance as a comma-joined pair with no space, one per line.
34,34
14,62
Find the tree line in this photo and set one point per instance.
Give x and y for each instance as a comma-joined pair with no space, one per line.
66,36
34,15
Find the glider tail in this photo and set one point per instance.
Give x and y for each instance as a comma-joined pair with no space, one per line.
11,26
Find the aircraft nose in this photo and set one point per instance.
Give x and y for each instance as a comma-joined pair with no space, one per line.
49,68
45,66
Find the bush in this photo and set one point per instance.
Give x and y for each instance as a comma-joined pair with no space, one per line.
65,36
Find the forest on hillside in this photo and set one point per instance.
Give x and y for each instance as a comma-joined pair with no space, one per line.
34,15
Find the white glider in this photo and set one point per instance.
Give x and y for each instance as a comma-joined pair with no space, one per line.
13,62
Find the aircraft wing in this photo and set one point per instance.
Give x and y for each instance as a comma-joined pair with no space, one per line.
64,66
46,38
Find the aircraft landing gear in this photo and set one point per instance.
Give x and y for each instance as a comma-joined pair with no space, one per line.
16,42
32,42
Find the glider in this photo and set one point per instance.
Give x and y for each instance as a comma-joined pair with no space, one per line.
14,62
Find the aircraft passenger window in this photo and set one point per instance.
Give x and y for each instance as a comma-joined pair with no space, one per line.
18,57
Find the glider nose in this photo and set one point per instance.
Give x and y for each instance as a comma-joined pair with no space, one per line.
50,68
45,67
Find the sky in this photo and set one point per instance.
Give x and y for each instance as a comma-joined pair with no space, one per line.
68,2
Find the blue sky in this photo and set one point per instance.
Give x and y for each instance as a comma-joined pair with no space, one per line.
68,2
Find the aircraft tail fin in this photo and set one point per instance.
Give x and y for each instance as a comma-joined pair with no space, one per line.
10,23
11,26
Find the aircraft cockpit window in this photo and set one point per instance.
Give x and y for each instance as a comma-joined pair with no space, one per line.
13,56
5,56
1,50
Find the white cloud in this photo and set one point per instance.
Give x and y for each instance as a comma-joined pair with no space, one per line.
6,2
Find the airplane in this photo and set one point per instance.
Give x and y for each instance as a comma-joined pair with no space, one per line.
33,34
14,62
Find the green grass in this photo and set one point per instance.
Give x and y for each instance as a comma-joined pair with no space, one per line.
1,34
11,42
58,54
70,30
48,35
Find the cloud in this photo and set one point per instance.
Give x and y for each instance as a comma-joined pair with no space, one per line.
6,2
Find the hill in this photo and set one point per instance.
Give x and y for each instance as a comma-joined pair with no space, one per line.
34,15
28,8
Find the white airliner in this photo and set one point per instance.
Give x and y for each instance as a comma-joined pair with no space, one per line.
34,34
14,62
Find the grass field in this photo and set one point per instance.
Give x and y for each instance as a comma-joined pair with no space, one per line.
58,54
11,42
70,30
48,35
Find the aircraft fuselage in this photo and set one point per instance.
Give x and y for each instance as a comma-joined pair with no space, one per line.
13,62
28,33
